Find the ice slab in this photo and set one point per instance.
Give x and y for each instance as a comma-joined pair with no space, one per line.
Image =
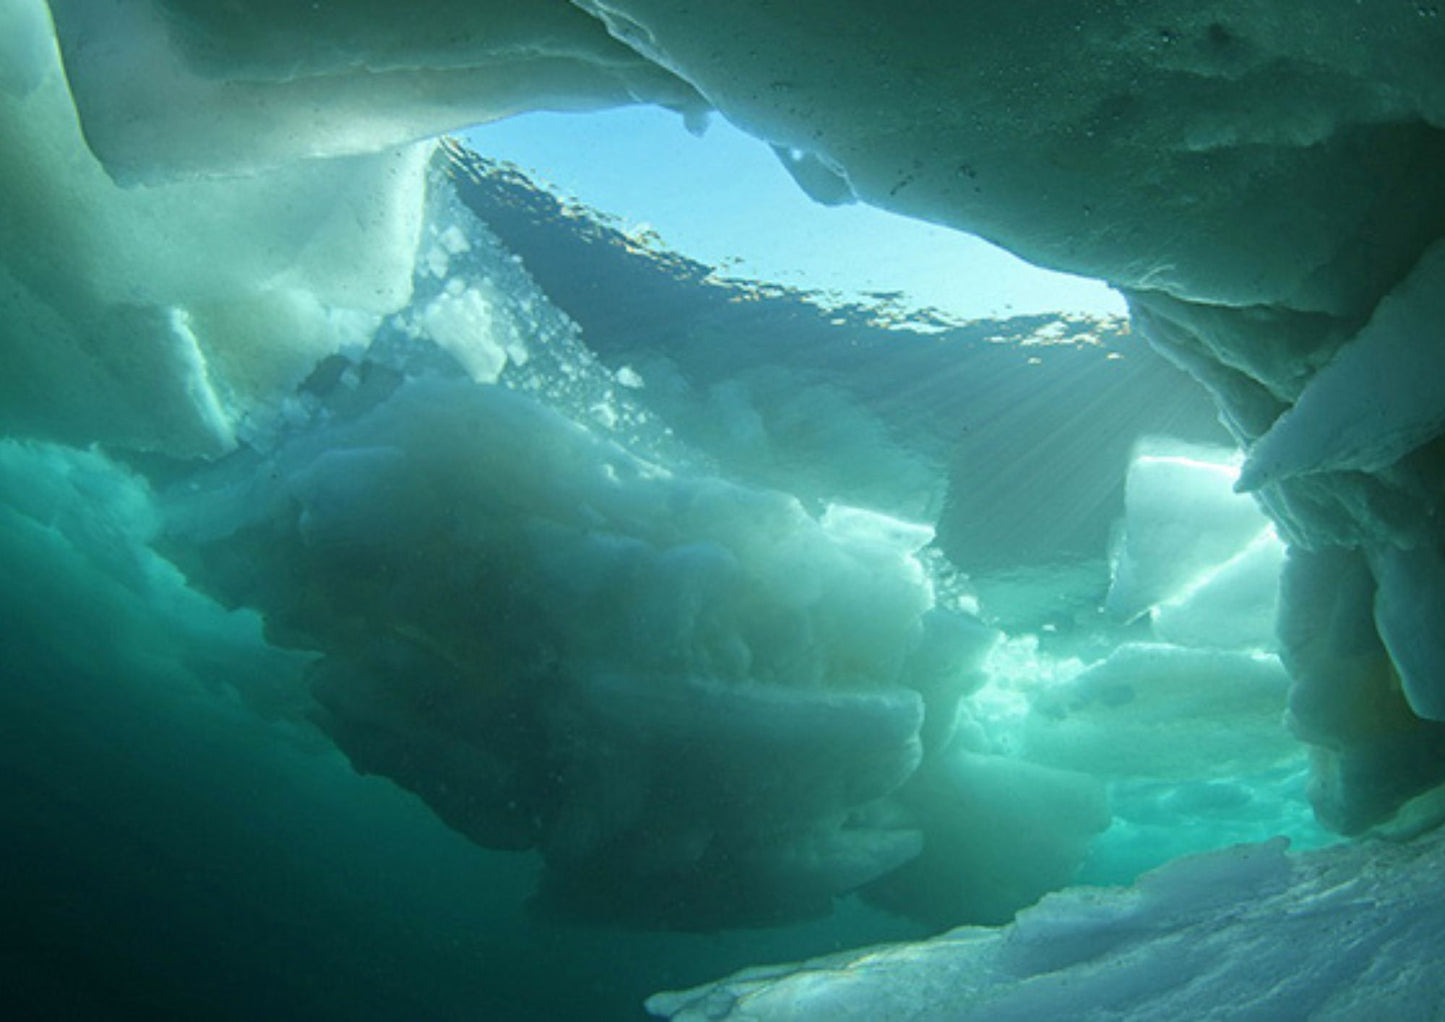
1182,524
1234,607
1165,712
998,833
1268,147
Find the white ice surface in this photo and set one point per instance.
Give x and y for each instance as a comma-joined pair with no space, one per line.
1233,607
1182,523
1165,712
1346,934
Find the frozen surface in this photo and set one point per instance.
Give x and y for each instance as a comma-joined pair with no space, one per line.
1248,932
1234,607
1410,615
1267,145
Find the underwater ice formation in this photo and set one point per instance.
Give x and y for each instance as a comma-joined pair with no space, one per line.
220,238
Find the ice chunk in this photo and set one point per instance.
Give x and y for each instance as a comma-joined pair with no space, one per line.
694,689
1378,399
1371,751
946,666
876,531
1234,607
1329,643
1182,520
1165,712
693,802
460,321
824,184
78,528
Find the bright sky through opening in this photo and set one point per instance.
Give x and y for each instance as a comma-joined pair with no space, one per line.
725,200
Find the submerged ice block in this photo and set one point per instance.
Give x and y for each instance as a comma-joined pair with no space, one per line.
1201,559
1165,712
691,695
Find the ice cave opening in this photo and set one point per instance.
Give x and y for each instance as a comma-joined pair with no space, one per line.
429,597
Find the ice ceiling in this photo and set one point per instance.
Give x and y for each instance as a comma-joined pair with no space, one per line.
744,704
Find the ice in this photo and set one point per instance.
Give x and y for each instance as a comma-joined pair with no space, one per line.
78,528
1200,559
823,184
1379,398
756,787
1410,615
174,88
460,321
1247,932
173,318
1268,147
25,45
1160,711
1372,753
998,832
699,694
1234,608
